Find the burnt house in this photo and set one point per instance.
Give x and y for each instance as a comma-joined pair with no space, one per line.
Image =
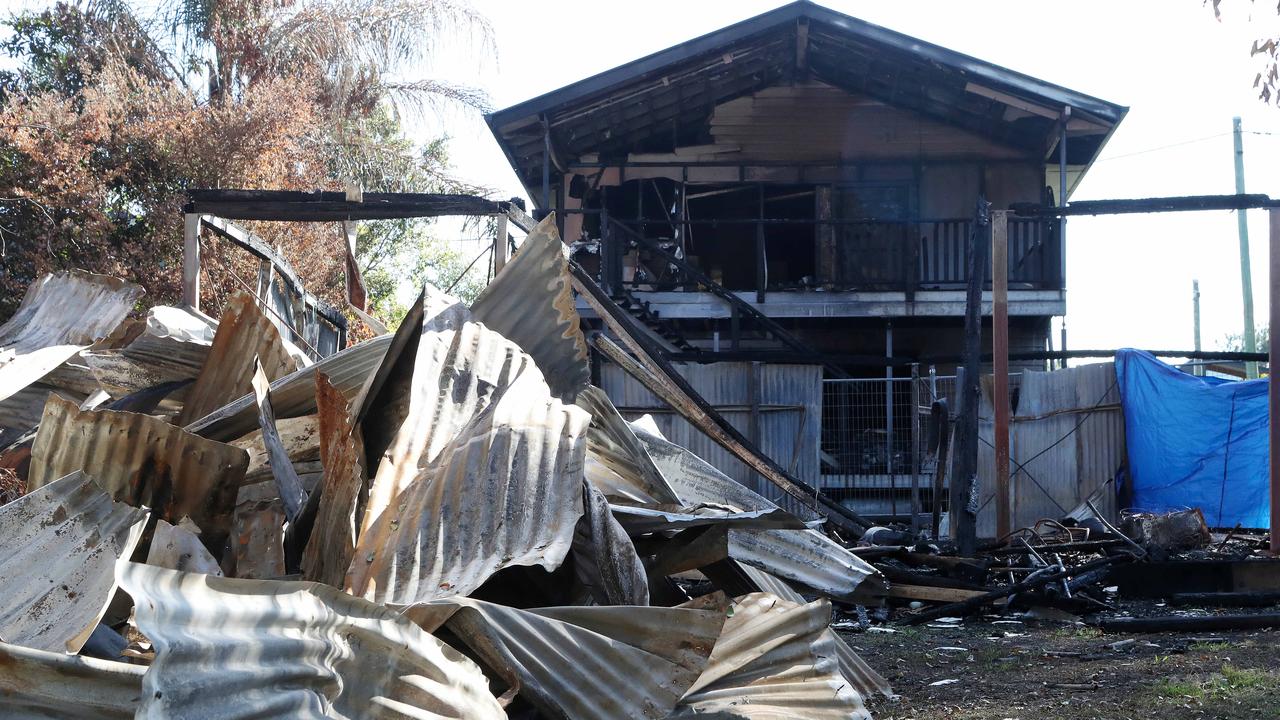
799,189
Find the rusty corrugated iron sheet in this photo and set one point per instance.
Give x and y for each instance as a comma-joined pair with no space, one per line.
300,437
61,314
454,375
58,572
506,490
640,520
775,659
804,556
232,649
531,303
295,393
333,537
142,461
40,685
585,662
257,536
245,335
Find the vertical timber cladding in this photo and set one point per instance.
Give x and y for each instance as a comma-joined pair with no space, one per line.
789,414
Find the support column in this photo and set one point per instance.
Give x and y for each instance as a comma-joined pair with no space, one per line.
191,261
1273,394
1000,363
888,421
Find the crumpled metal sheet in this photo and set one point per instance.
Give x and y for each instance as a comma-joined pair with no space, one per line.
257,537
584,662
300,437
640,520
611,443
604,558
805,556
42,685
61,314
142,461
333,536
295,394
231,649
531,302
455,374
854,669
775,660
173,345
506,490
178,548
245,335
288,485
23,409
58,572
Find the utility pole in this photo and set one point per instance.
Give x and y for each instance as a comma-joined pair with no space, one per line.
1246,277
1195,323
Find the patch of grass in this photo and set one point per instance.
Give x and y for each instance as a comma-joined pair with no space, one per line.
1231,682
1081,632
1209,647
1179,689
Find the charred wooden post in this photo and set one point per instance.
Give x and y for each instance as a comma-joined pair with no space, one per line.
964,506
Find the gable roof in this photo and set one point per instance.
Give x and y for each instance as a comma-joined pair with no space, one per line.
654,99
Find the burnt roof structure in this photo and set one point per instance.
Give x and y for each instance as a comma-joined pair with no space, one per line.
665,99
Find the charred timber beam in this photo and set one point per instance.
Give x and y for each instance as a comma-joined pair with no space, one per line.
1181,623
300,206
1186,203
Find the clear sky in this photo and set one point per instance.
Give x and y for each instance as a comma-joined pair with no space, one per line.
1182,74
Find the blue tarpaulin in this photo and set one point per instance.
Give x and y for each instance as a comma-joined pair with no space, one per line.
1195,441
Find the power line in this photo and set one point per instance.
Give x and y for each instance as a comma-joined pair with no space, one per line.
1166,147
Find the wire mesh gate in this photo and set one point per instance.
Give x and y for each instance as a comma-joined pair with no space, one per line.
873,449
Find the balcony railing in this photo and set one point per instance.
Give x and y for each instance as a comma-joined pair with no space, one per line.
857,255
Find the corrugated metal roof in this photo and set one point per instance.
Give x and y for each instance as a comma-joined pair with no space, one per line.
40,685
507,490
142,461
295,393
245,336
61,314
333,536
854,669
531,303
58,573
788,427
604,558
612,444
774,659
177,548
639,520
805,556
454,374
173,345
228,648
585,662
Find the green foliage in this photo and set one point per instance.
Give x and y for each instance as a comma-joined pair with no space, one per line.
1235,342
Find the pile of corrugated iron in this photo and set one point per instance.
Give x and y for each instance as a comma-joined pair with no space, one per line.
447,522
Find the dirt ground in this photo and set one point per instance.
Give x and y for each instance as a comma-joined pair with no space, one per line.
1051,671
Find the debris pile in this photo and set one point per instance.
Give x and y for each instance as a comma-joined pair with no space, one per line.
1163,572
447,522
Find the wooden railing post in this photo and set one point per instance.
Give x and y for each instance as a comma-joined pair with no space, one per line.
1000,362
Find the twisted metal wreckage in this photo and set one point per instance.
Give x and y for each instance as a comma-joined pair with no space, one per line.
447,522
